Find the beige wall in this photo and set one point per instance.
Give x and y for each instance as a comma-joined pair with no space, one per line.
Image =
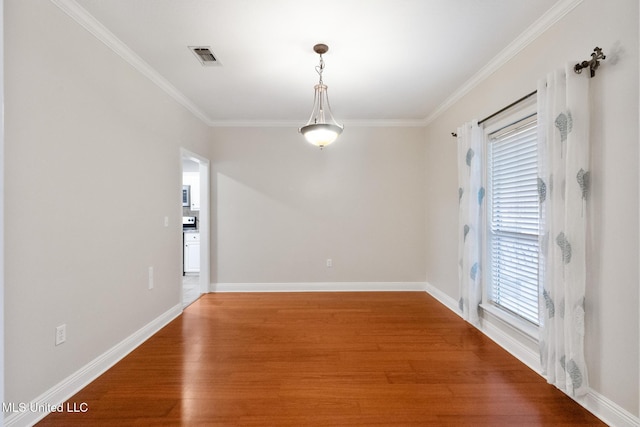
284,206
612,324
92,168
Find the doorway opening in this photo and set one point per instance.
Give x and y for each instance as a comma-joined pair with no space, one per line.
195,219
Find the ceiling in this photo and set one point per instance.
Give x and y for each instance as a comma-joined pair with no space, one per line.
388,60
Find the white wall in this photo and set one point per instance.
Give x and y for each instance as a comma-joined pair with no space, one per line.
612,324
92,161
284,206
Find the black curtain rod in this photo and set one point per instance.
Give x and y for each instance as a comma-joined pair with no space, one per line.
593,65
503,109
527,96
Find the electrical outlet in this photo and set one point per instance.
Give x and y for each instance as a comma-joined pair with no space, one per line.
61,334
329,263
150,277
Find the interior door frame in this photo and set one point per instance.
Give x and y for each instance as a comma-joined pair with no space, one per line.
205,215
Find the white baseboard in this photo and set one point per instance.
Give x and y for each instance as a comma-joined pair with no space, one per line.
445,299
594,402
62,391
513,346
318,287
608,411
515,342
599,405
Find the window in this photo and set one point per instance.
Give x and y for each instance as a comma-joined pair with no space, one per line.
513,224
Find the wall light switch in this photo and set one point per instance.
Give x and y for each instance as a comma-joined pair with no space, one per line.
150,277
61,334
166,221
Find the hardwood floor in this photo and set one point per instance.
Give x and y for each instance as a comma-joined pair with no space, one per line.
330,359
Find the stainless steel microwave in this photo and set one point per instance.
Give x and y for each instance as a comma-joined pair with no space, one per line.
186,195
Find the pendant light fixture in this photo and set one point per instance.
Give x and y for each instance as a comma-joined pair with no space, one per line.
321,129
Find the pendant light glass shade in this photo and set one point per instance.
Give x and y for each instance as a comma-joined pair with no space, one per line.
321,129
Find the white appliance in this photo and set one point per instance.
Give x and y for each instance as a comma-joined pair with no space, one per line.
189,223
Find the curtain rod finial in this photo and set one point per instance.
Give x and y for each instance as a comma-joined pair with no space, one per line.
593,63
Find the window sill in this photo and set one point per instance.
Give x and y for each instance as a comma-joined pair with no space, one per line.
526,328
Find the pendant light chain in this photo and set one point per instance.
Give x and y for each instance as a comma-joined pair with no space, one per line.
320,68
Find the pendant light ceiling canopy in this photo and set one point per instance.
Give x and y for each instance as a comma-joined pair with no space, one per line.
321,129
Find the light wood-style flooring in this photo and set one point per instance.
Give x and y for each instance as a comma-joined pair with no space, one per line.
321,359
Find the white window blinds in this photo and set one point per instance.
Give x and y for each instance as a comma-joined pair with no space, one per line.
513,219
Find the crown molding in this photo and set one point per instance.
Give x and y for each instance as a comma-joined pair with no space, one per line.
385,123
255,123
297,124
91,24
553,15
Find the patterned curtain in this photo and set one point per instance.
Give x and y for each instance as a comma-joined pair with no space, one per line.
563,187
471,198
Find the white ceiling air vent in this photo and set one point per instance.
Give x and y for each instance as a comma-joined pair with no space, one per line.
204,55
